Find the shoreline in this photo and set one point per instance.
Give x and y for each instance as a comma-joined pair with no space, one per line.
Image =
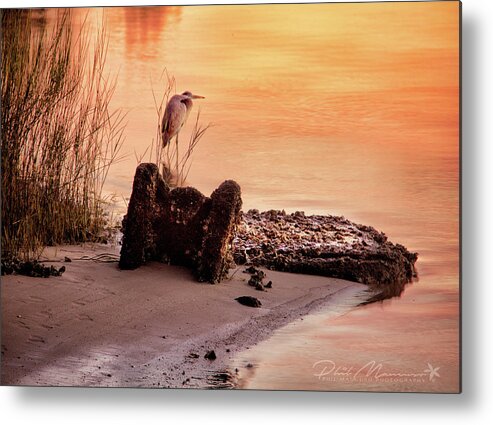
99,326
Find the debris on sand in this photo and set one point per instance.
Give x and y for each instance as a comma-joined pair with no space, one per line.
221,380
259,287
257,278
30,268
249,301
210,355
255,272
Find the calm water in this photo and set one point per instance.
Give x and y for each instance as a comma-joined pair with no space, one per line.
342,109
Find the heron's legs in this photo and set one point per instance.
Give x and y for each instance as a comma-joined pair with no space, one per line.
177,176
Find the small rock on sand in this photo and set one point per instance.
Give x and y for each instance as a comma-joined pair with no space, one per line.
210,355
249,301
255,272
259,287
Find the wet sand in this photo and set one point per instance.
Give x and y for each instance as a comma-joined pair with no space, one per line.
151,327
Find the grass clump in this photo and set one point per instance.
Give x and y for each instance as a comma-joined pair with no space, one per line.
59,137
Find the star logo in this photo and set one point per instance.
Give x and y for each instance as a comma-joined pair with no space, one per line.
433,371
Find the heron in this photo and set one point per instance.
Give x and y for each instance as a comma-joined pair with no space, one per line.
175,115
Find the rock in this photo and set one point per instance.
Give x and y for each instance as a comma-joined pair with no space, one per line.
68,260
255,272
210,355
249,301
322,245
217,253
254,281
269,284
259,287
180,226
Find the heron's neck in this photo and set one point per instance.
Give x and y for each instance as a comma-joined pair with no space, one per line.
188,103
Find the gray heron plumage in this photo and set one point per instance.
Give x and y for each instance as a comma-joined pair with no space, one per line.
176,114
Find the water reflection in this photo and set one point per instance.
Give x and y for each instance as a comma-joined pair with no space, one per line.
403,336
144,28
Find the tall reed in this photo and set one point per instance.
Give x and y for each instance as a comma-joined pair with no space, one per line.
59,135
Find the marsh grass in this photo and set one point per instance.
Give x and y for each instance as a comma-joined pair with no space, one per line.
173,162
59,136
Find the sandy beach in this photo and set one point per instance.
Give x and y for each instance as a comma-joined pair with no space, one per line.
99,326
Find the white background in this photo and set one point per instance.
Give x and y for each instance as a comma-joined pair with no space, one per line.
473,406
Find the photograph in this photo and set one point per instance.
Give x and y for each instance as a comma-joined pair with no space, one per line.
247,197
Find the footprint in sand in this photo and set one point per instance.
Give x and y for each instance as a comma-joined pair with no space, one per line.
36,339
85,317
88,278
36,299
46,326
47,313
24,325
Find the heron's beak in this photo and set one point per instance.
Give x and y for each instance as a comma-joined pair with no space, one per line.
196,96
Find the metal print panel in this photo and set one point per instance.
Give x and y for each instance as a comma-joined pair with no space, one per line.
237,197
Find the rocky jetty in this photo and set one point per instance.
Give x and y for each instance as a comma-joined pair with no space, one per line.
322,245
209,234
180,226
